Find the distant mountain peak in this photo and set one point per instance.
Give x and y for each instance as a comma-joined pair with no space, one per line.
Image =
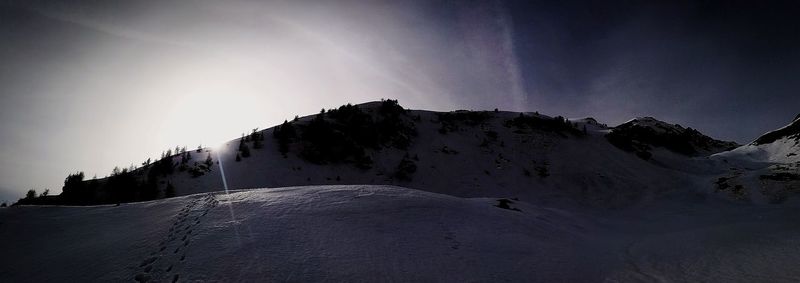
640,134
655,124
589,121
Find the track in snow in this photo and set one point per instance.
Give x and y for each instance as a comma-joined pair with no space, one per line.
163,264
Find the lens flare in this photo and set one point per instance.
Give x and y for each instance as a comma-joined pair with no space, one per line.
227,193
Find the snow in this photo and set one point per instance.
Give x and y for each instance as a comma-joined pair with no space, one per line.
337,233
585,170
754,166
784,150
778,146
599,214
386,233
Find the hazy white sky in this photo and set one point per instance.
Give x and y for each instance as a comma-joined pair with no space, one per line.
95,85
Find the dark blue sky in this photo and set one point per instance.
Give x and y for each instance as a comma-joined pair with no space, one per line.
89,85
725,67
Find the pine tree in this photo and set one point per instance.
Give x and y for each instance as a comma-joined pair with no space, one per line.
148,190
254,135
257,144
284,133
169,191
405,169
245,151
208,161
30,195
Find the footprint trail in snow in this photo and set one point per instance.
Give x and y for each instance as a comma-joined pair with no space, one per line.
163,265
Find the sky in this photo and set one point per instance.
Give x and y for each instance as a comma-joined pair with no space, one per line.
89,85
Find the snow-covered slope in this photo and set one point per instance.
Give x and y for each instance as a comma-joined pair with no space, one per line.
383,233
781,145
477,196
791,131
766,170
492,157
301,234
529,156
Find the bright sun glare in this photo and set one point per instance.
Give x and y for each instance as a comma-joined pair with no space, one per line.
211,107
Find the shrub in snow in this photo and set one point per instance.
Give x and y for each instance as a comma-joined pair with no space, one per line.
209,161
504,204
405,169
542,171
197,171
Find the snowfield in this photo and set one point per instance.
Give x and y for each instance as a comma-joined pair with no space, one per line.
587,170
386,233
492,196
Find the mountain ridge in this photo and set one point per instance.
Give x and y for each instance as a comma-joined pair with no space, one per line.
526,155
790,131
640,134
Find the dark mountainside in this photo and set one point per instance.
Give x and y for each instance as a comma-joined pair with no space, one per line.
641,134
383,143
